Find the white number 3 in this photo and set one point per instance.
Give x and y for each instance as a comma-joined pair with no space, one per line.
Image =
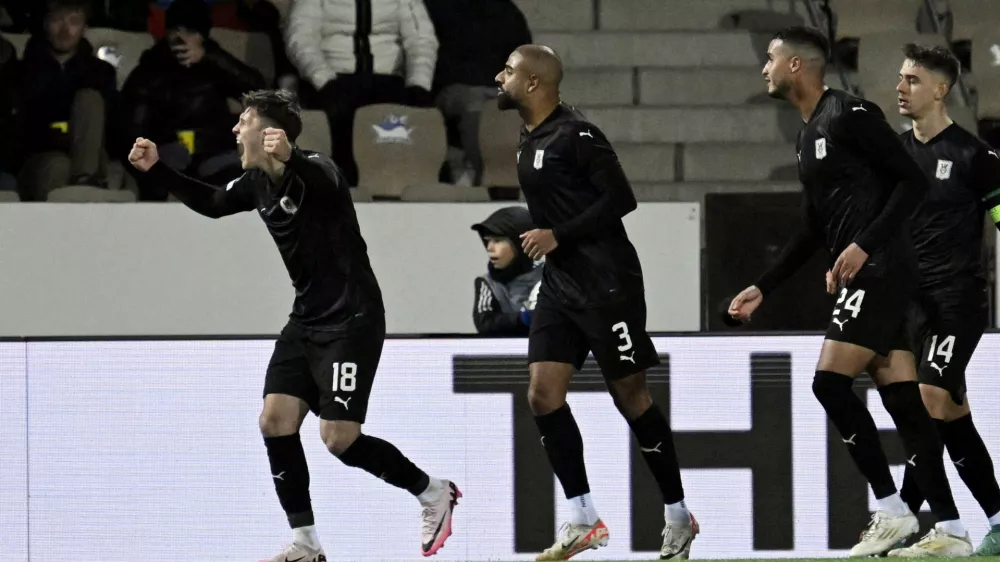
343,377
623,335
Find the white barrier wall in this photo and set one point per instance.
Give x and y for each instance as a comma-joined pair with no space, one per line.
161,269
153,447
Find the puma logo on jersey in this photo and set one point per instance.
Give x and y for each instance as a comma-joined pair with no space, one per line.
850,440
912,461
994,154
940,370
859,108
630,358
840,323
655,449
587,134
960,462
342,401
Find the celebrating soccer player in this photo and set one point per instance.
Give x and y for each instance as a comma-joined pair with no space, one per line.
326,357
859,188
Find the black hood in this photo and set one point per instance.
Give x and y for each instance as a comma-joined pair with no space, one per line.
511,223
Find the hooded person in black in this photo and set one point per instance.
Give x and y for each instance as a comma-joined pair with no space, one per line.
506,294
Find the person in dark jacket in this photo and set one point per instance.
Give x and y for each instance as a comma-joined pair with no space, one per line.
506,294
9,127
178,98
65,93
473,37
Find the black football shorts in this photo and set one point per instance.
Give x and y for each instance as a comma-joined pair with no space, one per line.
332,372
871,313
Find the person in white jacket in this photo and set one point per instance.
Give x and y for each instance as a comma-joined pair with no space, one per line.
362,52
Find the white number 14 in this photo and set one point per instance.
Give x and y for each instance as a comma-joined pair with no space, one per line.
944,349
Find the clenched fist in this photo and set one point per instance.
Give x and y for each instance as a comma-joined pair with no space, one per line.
276,143
745,303
143,154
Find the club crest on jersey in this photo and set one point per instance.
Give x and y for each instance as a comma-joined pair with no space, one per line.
288,206
539,159
944,169
820,149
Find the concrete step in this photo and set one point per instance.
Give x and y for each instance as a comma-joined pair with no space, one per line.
557,15
740,162
705,86
752,124
684,15
658,49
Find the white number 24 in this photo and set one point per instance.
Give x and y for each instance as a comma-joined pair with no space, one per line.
853,304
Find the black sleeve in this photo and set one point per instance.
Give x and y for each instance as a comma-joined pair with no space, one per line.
986,175
490,320
867,129
209,200
320,175
595,154
795,254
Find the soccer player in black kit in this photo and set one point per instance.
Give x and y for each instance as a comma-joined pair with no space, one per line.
951,307
591,297
859,188
326,356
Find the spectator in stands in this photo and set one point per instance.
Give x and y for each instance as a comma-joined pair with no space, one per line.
506,294
475,37
353,53
178,97
66,91
8,114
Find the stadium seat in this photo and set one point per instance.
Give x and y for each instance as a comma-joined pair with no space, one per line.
396,146
88,194
315,132
740,162
123,48
701,86
656,49
880,56
647,162
445,193
611,86
557,15
969,16
9,197
19,40
499,136
253,49
986,66
746,123
857,18
682,15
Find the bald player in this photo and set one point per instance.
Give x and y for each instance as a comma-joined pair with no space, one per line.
859,188
591,297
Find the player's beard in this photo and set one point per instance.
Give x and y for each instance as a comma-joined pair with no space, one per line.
779,92
505,101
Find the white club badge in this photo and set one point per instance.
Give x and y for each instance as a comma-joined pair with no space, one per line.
820,148
943,169
539,159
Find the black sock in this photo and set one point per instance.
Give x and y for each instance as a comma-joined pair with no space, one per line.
291,478
910,491
972,460
857,429
922,445
382,459
656,443
564,445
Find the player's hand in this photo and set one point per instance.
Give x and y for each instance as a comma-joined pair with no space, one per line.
276,143
538,243
143,154
831,283
745,303
849,264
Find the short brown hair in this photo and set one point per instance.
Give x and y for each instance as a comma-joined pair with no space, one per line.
281,107
54,6
935,59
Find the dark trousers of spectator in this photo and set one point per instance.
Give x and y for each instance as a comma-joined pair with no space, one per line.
84,162
462,105
341,99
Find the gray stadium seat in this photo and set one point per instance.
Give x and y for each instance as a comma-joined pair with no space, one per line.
611,86
856,18
740,162
986,67
969,16
9,197
315,132
499,135
557,15
127,46
396,146
19,40
701,86
680,15
253,49
749,123
88,194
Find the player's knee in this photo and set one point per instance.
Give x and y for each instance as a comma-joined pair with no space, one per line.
631,396
829,387
543,399
338,436
274,423
941,405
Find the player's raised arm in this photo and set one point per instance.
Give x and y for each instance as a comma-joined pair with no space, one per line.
866,128
203,198
595,154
